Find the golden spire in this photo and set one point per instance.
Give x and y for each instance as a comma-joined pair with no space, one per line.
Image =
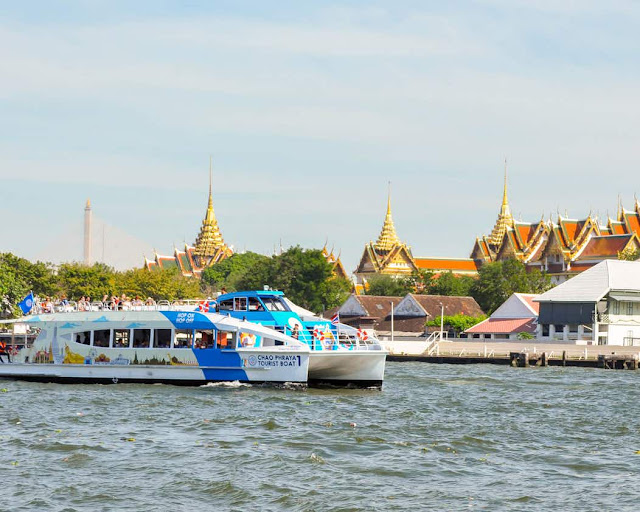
505,219
388,238
210,239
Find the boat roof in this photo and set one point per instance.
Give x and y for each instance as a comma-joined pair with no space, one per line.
252,293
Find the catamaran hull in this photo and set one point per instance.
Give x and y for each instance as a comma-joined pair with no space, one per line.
361,369
178,375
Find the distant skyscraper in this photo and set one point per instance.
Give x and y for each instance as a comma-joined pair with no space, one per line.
87,233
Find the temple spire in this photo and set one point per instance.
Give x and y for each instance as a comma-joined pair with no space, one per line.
209,240
505,219
388,238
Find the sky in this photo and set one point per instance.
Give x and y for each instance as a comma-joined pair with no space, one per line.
308,110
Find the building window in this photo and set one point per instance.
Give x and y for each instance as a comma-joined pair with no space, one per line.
630,308
615,307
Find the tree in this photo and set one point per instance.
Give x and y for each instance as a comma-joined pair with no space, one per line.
37,277
304,276
448,283
499,280
388,286
77,280
459,323
165,284
629,255
231,271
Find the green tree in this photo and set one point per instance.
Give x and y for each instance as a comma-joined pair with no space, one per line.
167,284
388,286
77,280
499,280
304,276
629,255
458,323
450,284
37,277
12,291
232,271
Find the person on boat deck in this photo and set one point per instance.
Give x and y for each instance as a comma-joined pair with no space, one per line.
4,351
295,332
150,302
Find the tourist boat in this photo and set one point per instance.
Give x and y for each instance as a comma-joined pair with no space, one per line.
170,346
340,354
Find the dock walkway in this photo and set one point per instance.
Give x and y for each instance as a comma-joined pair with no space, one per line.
502,352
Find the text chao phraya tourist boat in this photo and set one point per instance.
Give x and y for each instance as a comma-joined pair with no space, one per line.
155,344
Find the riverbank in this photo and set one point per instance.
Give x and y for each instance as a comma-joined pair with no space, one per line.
501,352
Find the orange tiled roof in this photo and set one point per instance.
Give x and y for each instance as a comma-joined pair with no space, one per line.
581,267
463,264
528,298
633,222
603,246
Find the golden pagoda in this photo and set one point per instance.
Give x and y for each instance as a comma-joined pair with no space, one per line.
388,238
210,247
387,255
208,250
505,219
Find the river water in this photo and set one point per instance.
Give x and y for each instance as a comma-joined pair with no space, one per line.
437,437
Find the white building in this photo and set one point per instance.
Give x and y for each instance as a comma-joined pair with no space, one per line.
601,305
517,315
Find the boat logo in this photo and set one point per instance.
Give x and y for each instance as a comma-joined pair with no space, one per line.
253,360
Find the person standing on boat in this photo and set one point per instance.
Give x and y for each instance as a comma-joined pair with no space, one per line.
295,332
3,351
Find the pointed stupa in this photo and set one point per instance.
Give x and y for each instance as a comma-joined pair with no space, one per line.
505,219
388,238
210,239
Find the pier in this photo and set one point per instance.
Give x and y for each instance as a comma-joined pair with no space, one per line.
521,354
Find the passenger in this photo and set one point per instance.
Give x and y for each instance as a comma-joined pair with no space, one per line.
150,302
295,331
4,352
87,303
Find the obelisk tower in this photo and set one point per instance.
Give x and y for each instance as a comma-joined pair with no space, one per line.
87,233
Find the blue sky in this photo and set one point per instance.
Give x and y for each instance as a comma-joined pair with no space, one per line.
309,109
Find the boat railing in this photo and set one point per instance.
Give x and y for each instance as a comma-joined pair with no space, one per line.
70,306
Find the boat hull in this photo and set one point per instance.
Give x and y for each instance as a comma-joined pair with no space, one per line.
151,374
357,368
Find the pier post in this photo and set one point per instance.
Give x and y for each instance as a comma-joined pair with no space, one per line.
564,358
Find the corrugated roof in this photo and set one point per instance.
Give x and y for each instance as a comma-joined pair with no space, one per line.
594,283
452,305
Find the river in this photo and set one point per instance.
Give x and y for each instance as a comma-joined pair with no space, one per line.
437,437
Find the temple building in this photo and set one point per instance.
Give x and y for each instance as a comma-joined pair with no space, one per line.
336,264
208,249
388,255
562,248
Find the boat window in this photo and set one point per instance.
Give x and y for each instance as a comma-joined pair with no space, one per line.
274,304
226,305
83,337
204,339
162,338
240,304
141,338
255,304
121,338
101,338
183,338
225,340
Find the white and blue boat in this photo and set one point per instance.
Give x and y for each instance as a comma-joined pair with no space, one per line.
341,355
170,346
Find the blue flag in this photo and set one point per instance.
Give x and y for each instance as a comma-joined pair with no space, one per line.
27,303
